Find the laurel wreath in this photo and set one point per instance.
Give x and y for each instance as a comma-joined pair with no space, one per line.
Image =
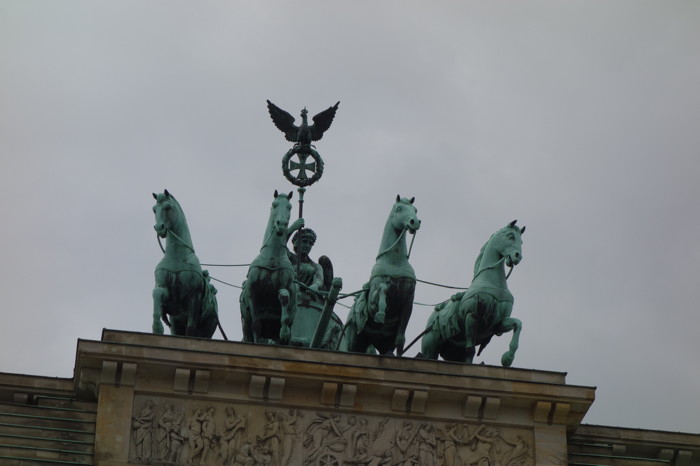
296,180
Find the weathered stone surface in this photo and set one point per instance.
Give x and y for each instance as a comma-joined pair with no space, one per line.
290,406
186,431
244,404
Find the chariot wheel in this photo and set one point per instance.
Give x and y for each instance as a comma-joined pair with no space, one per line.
328,459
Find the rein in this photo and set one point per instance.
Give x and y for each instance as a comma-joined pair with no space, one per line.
403,232
495,265
269,237
174,236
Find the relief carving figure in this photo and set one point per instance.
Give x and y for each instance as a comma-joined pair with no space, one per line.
195,434
234,431
177,441
209,437
179,433
168,434
405,448
272,437
481,445
324,437
449,440
291,434
251,455
364,458
360,438
143,431
427,445
518,454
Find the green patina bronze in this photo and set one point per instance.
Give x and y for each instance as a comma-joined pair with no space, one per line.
309,273
269,297
315,324
473,317
380,313
295,163
183,297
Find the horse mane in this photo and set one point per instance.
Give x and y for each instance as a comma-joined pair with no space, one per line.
477,263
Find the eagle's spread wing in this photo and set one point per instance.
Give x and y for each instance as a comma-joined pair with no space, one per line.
284,121
322,122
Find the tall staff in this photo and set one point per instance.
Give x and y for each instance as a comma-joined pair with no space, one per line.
298,163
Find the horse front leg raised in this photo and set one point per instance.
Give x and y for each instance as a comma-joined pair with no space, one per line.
516,326
380,293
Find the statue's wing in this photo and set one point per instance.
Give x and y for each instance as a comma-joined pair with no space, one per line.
284,121
327,267
322,122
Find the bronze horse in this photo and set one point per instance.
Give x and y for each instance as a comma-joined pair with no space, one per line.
380,314
183,298
268,299
471,318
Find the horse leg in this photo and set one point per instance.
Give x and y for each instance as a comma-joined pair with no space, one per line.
193,306
405,311
243,301
516,326
470,334
285,319
429,345
160,296
381,292
255,325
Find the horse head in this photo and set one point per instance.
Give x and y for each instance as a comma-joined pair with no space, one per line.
280,212
403,215
508,242
167,213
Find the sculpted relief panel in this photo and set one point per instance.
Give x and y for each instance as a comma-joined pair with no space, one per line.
188,432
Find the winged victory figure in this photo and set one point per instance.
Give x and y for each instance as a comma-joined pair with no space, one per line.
302,134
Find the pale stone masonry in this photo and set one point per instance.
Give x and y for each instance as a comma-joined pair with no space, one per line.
178,401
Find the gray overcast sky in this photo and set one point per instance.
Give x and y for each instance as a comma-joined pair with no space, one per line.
580,119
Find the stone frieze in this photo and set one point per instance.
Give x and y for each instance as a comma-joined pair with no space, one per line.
191,432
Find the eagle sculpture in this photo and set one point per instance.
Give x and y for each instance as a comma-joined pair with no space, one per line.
304,133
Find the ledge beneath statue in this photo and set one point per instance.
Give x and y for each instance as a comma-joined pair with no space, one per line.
188,394
145,399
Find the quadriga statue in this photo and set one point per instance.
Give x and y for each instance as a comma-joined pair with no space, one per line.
183,297
268,299
380,314
471,318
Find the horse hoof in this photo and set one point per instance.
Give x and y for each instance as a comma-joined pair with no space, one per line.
507,359
285,335
379,317
158,328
